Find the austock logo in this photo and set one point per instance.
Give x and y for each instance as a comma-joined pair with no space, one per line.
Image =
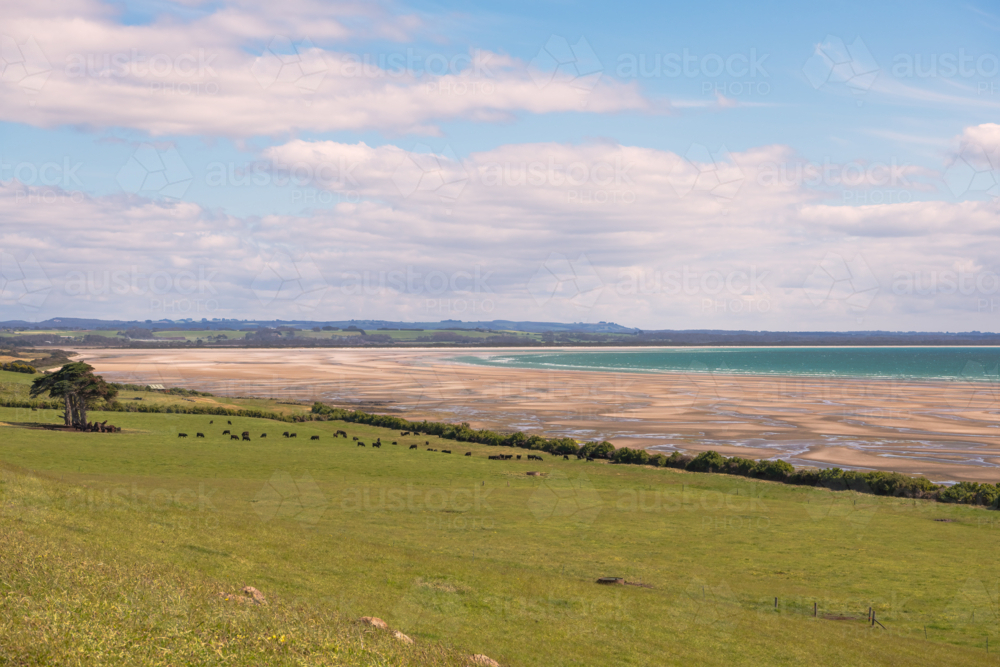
23,64
424,172
834,62
573,280
150,171
282,279
560,497
300,64
23,282
840,280
701,170
559,62
283,497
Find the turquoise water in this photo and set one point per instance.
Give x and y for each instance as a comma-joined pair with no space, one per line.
933,363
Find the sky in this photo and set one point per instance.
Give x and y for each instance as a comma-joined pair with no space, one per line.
659,165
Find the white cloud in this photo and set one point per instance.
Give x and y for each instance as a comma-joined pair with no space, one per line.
660,260
252,69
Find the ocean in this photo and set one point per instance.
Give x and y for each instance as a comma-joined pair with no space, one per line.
979,364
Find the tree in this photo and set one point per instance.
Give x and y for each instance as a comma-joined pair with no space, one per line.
79,388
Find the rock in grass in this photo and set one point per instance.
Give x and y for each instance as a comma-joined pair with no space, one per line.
374,621
484,660
401,637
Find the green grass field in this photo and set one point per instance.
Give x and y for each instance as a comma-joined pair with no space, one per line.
116,547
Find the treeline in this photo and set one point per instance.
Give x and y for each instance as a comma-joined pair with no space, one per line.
115,406
18,367
878,482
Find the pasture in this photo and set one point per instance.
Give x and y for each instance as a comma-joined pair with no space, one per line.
461,553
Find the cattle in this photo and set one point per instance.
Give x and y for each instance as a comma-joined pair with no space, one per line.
211,421
263,435
413,446
199,435
342,433
565,458
377,444
394,442
360,444
468,453
315,437
294,435
446,451
226,432
229,422
404,433
246,436
518,457
285,434
427,442
182,435
234,437
355,438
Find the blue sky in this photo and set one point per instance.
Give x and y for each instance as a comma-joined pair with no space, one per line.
825,167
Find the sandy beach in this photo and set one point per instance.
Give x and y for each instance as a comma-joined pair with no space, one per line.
944,430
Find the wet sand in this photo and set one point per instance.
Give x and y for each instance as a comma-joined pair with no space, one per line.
945,430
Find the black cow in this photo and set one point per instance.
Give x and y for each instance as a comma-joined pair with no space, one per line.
394,442
211,421
229,422
355,438
427,442
285,434
360,444
468,453
226,432
294,435
315,437
413,446
182,435
565,458
518,457
446,451
246,436
199,435
377,444
234,437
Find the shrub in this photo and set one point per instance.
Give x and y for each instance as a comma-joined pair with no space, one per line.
678,460
598,450
707,462
739,466
774,470
634,456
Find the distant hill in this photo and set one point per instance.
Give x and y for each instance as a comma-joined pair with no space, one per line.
255,333
205,325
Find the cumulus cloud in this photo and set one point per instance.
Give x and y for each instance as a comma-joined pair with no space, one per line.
249,69
546,231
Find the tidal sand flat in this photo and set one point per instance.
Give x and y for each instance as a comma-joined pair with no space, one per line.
942,424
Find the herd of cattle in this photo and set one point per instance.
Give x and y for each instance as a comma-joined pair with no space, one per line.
377,444
102,427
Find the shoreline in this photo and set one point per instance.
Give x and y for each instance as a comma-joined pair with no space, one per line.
946,430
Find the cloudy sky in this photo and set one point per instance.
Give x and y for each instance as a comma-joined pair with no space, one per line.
694,165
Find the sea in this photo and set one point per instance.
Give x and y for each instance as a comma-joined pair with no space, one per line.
978,364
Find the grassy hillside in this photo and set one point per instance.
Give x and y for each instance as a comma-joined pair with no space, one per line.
458,551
